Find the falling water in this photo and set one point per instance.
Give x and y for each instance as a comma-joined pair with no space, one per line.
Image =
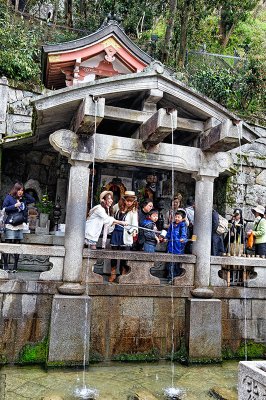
242,194
172,392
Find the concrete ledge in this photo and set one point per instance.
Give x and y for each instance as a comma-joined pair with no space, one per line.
247,261
37,249
139,256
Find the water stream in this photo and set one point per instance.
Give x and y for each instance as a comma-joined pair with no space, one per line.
119,381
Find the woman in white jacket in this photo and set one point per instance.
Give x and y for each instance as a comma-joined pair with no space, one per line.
122,239
100,216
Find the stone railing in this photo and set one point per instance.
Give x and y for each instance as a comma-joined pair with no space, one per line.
254,270
140,264
55,253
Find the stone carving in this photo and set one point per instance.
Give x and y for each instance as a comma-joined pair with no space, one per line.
253,389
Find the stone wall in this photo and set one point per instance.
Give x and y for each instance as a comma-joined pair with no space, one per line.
247,187
121,324
16,111
31,165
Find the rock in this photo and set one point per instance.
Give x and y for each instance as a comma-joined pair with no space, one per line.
223,394
142,395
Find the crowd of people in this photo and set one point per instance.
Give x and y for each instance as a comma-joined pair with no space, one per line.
131,226
237,239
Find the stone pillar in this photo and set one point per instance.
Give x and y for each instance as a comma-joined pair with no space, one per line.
203,229
69,337
75,227
203,330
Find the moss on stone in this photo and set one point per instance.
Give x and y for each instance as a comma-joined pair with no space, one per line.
34,353
95,358
204,360
253,350
231,192
153,355
3,359
26,86
19,135
180,355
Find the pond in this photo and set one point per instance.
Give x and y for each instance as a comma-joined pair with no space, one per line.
118,381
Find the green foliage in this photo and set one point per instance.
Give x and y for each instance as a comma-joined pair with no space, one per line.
45,205
19,50
241,89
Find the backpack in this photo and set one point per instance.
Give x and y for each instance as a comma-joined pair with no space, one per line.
222,225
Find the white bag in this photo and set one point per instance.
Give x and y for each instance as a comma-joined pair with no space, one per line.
222,225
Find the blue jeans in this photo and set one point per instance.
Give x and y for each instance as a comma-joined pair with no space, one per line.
149,248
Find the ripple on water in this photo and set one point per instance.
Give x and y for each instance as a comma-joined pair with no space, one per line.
174,393
86,393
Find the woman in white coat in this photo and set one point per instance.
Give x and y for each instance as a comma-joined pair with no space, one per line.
100,216
122,239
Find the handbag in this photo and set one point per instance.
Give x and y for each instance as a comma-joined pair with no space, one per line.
16,219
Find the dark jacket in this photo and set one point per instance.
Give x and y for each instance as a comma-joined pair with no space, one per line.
9,206
149,237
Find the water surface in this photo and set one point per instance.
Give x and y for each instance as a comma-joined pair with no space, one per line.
116,381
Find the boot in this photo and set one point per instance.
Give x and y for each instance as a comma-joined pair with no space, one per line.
15,267
124,270
5,258
112,278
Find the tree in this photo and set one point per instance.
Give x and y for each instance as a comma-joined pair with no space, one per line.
183,17
232,12
19,50
169,30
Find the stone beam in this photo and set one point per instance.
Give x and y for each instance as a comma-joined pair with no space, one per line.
150,102
126,115
128,151
222,137
88,116
139,117
157,127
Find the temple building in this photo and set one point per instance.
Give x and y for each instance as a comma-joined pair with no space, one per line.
114,118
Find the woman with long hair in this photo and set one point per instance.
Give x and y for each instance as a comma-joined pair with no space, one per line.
15,205
122,239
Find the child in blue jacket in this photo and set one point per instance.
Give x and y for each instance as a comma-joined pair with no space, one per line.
177,238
